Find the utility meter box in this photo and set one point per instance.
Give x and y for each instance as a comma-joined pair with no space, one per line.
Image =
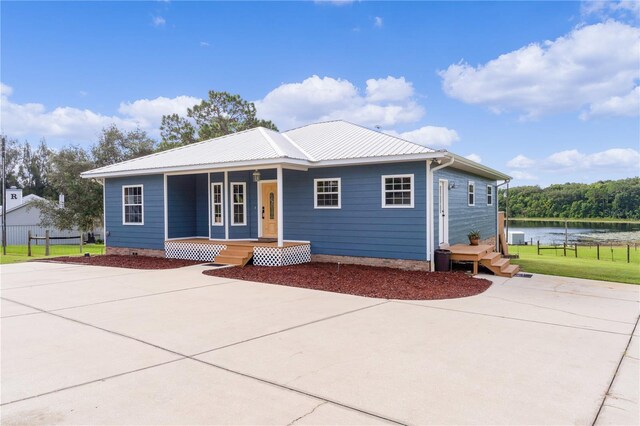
516,238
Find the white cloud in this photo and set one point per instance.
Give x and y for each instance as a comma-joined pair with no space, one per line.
388,89
158,21
587,67
334,2
148,112
572,160
5,90
520,162
474,157
603,9
429,136
69,124
83,93
377,22
321,99
204,44
627,105
520,175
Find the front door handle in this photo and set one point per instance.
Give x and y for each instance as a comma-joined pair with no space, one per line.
263,212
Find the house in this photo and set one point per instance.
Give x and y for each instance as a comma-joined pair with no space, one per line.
331,191
23,216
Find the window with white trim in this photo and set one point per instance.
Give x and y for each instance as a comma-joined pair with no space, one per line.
238,203
397,191
132,205
471,193
217,212
327,193
489,195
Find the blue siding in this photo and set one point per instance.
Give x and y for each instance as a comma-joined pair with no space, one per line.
361,227
462,217
151,234
187,206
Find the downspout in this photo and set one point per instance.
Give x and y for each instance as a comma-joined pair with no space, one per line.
430,206
497,195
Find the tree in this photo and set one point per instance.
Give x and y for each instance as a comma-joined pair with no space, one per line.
115,145
83,197
33,169
222,114
12,158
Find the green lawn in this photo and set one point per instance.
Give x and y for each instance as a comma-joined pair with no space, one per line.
19,253
559,219
553,262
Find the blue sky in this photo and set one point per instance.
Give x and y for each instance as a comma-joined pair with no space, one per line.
545,91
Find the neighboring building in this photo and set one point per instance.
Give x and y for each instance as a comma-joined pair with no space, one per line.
23,217
331,191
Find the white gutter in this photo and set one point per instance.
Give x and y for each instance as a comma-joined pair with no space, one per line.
430,240
497,198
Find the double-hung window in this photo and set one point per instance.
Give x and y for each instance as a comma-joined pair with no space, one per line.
327,193
217,212
132,205
489,195
471,193
239,203
397,191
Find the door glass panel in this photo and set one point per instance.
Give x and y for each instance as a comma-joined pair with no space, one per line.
272,206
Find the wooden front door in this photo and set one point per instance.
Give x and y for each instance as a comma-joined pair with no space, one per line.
269,209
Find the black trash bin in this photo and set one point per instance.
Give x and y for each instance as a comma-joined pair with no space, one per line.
443,260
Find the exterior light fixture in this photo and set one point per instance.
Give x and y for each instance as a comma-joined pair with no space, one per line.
452,185
256,175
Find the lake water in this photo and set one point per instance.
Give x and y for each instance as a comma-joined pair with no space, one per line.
577,232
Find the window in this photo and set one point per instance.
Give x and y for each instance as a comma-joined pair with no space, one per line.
239,203
132,205
327,193
489,195
217,218
397,191
471,193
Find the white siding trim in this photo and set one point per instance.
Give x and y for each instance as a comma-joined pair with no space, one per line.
142,205
166,209
233,204
211,198
279,175
470,184
209,201
315,193
397,206
226,205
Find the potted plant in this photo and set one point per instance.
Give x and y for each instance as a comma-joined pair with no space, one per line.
474,237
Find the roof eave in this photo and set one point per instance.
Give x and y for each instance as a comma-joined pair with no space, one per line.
477,168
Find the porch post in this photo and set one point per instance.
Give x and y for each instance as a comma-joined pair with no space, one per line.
209,200
280,207
226,205
166,210
429,208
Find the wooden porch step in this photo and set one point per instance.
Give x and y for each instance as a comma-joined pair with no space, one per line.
500,266
234,255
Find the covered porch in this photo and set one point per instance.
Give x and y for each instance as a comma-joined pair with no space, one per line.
239,252
230,216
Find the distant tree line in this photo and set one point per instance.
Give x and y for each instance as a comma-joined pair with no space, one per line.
619,199
49,172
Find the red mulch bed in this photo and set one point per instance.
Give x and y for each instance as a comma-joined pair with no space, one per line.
369,281
131,262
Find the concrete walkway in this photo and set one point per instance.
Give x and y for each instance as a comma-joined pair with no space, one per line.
101,345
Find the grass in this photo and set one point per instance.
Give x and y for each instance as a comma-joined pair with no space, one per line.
552,262
559,219
19,253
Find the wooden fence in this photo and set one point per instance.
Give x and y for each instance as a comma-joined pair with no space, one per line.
47,241
564,248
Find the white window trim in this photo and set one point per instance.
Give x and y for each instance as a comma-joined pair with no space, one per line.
315,193
469,183
397,206
489,189
123,205
213,204
244,203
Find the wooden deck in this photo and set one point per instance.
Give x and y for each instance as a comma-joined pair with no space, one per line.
485,256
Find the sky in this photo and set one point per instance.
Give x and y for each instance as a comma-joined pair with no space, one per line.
547,92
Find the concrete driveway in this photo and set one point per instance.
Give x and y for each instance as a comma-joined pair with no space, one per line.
98,345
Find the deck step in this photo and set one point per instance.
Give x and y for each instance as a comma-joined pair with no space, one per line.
499,265
491,257
234,255
510,270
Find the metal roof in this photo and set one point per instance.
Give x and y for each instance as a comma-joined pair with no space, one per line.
337,140
314,145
